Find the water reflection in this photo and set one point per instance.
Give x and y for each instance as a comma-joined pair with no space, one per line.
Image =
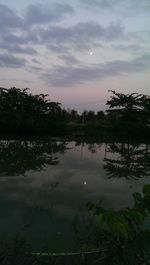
120,159
127,160
18,157
62,177
104,236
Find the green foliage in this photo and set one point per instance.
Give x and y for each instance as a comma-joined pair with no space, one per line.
125,102
123,225
142,203
22,112
123,234
129,113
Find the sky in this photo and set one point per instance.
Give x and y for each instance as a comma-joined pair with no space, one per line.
76,50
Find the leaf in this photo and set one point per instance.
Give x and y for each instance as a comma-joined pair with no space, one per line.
146,189
101,218
90,206
121,230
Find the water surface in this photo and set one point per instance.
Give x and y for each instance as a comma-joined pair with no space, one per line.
45,185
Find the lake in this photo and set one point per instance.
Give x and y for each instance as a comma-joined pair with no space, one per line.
45,185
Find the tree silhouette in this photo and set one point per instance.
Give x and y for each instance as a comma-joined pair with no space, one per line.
17,156
130,111
24,113
21,111
127,160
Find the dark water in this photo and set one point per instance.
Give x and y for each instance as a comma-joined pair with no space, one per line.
45,185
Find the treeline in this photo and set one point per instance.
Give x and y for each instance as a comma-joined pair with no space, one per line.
24,113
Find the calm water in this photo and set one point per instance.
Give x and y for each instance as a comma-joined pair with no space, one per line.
44,186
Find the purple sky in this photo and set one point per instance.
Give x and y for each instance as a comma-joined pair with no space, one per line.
76,50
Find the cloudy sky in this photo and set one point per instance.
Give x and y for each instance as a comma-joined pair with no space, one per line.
76,50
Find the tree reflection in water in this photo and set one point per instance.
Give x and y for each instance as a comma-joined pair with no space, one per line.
17,157
123,234
127,160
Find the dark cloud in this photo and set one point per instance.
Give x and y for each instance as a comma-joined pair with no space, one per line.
80,34
8,60
100,3
43,14
25,37
62,76
59,39
34,14
129,47
36,61
35,69
57,48
23,43
68,59
133,48
35,27
15,48
8,18
125,6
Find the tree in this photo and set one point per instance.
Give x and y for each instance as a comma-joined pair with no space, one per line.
100,116
91,116
21,111
73,115
125,102
18,157
127,160
129,112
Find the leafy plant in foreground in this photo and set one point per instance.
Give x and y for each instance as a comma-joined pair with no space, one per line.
126,232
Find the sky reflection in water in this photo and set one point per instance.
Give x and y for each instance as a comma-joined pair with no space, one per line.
52,181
